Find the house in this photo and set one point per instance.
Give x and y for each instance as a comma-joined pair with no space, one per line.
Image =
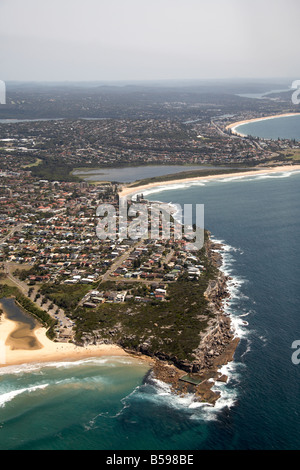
160,291
121,296
98,300
89,305
170,277
160,297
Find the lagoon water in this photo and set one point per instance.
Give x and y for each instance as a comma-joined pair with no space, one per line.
114,404
131,174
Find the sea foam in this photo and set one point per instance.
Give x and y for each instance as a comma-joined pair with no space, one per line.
9,396
203,182
111,361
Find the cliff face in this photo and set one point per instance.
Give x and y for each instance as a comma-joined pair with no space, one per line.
214,343
215,340
216,347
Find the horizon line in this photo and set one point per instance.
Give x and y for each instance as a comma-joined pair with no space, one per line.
150,79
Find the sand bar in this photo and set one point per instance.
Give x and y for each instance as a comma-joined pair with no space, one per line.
234,125
127,191
49,351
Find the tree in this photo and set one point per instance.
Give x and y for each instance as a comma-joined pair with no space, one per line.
30,291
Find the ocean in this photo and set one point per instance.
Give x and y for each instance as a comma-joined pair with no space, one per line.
284,128
116,404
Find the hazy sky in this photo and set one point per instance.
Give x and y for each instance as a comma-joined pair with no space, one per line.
148,39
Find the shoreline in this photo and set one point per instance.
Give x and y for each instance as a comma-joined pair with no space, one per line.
217,345
127,190
217,349
48,351
234,125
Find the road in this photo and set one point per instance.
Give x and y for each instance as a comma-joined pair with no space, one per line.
17,228
21,285
119,262
253,143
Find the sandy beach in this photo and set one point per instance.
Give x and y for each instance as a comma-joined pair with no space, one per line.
234,125
47,351
127,191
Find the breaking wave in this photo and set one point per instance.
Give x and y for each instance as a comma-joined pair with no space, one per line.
9,396
203,182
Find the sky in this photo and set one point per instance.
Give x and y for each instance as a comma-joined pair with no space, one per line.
96,40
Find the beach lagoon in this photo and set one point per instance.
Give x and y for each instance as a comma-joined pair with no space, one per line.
135,173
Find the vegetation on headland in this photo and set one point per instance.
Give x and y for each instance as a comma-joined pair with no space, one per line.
161,329
65,296
24,302
292,155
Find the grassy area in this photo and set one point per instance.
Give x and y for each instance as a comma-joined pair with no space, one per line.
54,170
32,165
8,291
8,282
65,296
292,154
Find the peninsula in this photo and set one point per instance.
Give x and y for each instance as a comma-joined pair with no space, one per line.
185,343
150,298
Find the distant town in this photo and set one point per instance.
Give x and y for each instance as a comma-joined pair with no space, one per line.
106,127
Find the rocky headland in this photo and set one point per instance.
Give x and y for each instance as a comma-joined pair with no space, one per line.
216,348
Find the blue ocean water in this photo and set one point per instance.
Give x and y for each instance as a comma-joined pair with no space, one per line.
115,404
287,127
